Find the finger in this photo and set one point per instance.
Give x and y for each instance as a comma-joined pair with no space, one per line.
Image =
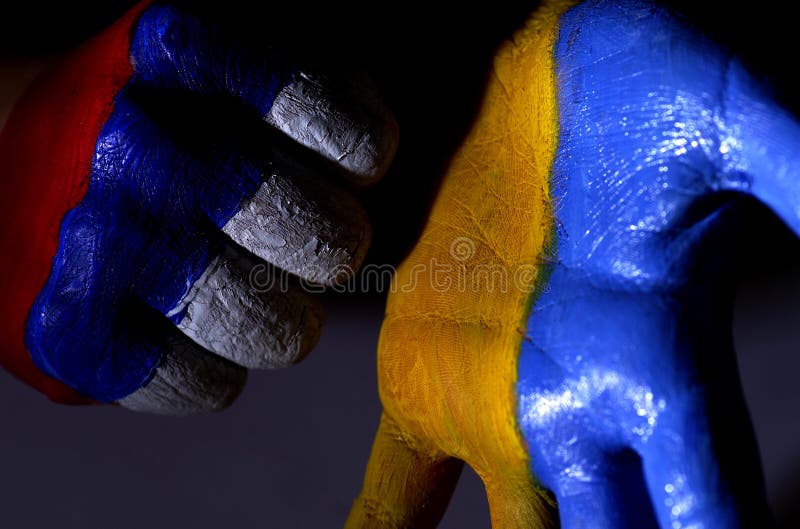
342,120
188,381
303,225
404,485
271,207
185,272
86,327
684,479
767,136
241,312
228,304
91,330
604,491
173,48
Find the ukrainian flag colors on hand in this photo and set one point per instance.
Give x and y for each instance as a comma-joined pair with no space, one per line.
132,217
563,325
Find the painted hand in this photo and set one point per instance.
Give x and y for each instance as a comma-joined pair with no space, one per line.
564,324
156,186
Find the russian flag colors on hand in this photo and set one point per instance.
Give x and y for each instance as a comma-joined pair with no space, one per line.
573,344
132,219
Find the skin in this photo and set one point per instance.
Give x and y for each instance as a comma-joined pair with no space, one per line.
218,157
632,151
446,369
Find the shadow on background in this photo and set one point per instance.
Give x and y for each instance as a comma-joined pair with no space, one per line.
767,336
787,506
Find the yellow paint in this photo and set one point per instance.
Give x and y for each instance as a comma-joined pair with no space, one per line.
447,355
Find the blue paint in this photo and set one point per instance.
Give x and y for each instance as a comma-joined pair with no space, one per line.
146,229
629,354
173,50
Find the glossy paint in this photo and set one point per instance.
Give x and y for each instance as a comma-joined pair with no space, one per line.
628,367
32,150
618,358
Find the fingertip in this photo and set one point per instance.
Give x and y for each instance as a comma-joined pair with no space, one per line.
304,225
189,381
345,121
245,312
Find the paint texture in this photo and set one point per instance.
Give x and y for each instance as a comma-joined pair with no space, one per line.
627,378
86,326
340,120
614,158
34,201
165,176
447,351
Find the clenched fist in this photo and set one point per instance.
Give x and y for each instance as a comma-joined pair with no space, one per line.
143,178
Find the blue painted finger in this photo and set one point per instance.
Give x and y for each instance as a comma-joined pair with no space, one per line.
87,327
174,48
606,493
763,155
683,477
340,119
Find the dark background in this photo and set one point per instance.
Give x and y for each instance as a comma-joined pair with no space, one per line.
291,452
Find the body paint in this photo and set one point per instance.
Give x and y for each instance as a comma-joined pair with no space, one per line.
162,189
352,128
34,200
121,219
615,173
651,147
448,346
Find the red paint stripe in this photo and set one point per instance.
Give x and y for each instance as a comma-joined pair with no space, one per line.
46,150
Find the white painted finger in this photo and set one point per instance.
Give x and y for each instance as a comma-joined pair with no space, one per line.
236,311
303,225
344,120
189,381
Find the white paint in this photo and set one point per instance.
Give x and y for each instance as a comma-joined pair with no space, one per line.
229,325
303,226
252,327
189,381
345,121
